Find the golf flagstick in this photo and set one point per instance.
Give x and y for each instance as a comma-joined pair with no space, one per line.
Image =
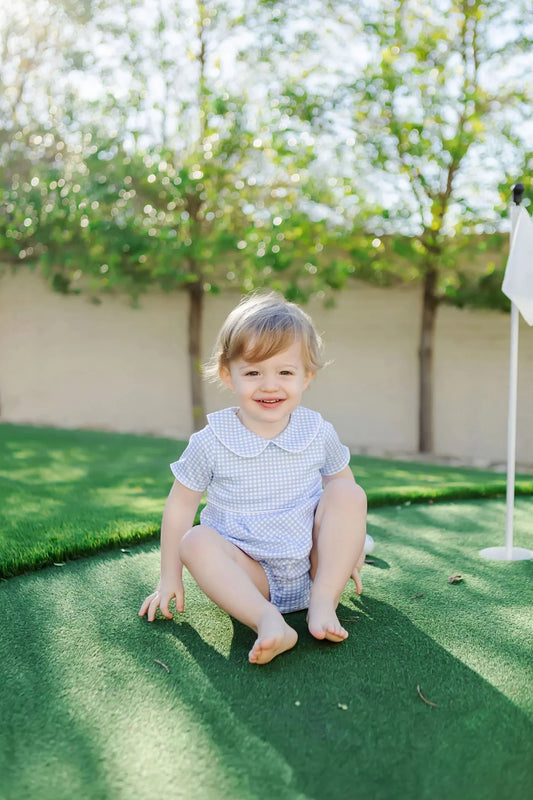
510,553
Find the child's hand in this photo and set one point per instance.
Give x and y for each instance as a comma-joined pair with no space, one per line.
356,577
161,599
356,574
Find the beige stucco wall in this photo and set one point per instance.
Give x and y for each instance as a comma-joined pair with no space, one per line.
69,363
472,357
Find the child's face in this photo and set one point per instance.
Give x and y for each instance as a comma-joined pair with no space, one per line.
268,391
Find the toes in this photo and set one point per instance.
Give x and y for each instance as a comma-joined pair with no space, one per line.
265,650
333,633
263,653
336,636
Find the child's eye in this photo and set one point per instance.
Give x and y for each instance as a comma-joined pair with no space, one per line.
252,373
286,372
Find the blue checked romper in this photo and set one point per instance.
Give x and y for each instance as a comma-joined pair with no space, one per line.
262,493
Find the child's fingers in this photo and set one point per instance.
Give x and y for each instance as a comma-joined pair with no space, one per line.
152,603
157,600
144,608
180,599
163,606
357,580
152,608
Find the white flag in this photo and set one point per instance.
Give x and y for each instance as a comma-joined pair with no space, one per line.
518,280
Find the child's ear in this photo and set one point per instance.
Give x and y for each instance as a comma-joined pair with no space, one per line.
225,376
308,378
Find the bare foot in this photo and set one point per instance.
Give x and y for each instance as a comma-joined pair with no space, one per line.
274,636
322,620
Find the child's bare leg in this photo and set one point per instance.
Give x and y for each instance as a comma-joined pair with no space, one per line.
239,586
338,541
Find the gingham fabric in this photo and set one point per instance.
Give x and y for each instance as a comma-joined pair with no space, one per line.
262,493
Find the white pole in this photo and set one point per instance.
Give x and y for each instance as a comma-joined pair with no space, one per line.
511,432
510,553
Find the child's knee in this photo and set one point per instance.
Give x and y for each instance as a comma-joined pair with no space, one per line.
193,544
342,491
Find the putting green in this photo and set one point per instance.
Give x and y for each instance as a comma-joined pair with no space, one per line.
67,493
87,711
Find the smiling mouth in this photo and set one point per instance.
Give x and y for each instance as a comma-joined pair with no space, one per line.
269,402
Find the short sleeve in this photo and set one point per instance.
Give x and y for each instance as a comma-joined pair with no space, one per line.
194,469
336,455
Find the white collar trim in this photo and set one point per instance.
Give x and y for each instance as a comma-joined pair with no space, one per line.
302,429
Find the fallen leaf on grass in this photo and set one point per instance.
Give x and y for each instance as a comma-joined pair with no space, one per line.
414,596
59,563
455,578
427,702
156,660
124,550
343,706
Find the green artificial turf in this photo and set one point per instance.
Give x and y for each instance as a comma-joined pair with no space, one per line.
87,711
389,482
69,493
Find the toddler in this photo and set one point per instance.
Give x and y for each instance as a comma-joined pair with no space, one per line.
284,524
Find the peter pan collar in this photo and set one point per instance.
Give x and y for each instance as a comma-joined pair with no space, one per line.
303,427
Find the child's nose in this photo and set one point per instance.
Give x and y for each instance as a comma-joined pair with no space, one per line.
269,383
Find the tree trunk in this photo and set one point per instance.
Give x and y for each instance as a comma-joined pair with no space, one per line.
195,325
425,355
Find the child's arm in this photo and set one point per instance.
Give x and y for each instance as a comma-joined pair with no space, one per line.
178,517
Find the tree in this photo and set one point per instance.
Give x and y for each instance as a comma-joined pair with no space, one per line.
190,187
309,169
422,117
34,98
442,98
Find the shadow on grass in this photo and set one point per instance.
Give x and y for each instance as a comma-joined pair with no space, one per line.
376,563
488,613
91,713
352,717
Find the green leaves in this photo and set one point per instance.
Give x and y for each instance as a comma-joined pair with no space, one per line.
289,166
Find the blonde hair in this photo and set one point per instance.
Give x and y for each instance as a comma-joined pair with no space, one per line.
262,325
